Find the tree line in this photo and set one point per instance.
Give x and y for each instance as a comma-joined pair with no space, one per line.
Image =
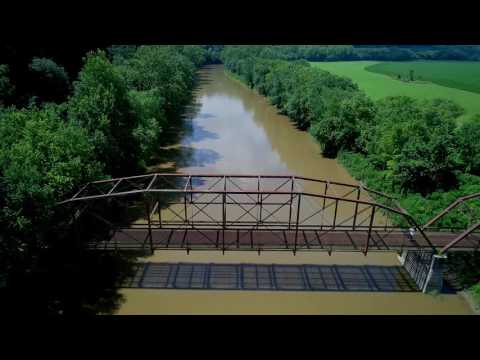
106,123
365,52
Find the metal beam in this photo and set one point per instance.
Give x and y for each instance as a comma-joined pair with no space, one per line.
460,238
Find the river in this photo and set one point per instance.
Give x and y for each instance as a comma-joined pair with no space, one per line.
231,129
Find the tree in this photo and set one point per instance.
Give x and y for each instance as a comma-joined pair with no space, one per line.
148,107
468,136
164,68
101,105
118,54
42,158
50,81
333,133
360,111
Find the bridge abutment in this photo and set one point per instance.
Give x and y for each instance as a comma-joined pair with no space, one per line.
425,268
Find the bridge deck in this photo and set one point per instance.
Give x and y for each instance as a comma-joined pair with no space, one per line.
276,240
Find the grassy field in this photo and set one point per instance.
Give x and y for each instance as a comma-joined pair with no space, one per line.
379,86
461,75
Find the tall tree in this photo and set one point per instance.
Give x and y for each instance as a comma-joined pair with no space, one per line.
100,104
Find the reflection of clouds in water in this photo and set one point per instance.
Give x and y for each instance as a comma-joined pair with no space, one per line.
197,133
243,144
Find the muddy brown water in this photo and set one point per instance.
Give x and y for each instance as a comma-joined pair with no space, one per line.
230,129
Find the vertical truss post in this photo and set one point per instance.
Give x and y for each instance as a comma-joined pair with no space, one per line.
356,209
185,208
372,216
185,201
335,214
147,208
191,189
224,212
259,201
224,218
291,202
323,207
297,222
159,213
386,220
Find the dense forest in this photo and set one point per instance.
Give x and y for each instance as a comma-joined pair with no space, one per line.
409,148
58,134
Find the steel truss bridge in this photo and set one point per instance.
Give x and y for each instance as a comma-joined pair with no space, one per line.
255,212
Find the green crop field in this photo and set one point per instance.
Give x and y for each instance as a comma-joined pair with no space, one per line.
463,75
379,86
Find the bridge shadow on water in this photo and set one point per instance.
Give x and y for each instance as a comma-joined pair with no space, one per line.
271,277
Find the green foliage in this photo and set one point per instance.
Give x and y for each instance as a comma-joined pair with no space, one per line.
164,68
101,105
51,83
111,125
159,80
466,266
196,54
422,208
333,133
363,52
6,88
475,291
42,158
118,54
468,136
348,129
415,142
213,53
149,108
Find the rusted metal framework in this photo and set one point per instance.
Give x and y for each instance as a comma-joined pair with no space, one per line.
470,233
244,212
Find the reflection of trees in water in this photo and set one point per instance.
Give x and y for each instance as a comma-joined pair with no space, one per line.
175,150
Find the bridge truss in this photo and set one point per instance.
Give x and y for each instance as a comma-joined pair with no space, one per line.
246,212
